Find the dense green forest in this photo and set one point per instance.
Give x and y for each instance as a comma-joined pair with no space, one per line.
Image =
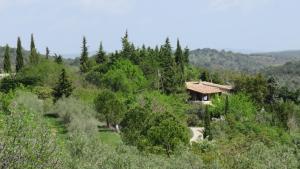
128,109
227,60
287,74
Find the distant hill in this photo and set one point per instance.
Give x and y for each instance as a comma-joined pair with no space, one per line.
287,74
227,60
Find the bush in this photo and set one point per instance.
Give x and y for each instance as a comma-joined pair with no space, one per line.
75,115
25,142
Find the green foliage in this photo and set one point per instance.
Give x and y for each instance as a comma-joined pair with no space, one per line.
7,64
63,87
58,59
132,123
180,62
124,76
34,56
27,143
163,133
168,75
103,103
84,57
207,131
75,115
19,57
47,53
101,55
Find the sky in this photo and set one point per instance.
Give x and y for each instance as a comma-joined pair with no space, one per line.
248,25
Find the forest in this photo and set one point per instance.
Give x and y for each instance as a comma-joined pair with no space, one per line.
128,109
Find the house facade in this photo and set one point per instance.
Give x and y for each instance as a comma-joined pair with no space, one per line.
202,92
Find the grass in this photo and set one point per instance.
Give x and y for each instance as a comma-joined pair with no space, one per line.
110,138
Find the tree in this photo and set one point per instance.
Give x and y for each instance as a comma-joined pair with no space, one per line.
19,57
126,47
272,91
108,105
186,54
207,129
132,124
163,133
58,59
168,76
6,62
63,86
101,55
34,56
204,76
47,53
180,62
84,57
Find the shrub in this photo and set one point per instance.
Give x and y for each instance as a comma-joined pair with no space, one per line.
25,142
75,115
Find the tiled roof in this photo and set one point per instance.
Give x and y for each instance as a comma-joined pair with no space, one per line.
206,87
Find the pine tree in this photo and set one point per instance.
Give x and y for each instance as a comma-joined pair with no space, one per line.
179,59
58,59
6,62
63,87
272,91
84,57
19,57
126,47
207,129
186,54
47,53
101,55
168,76
34,56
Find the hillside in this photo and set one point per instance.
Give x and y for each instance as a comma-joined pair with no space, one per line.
227,60
287,74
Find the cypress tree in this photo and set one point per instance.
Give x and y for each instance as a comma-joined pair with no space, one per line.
101,55
34,56
168,76
63,87
186,54
207,130
179,59
84,57
47,53
19,57
6,62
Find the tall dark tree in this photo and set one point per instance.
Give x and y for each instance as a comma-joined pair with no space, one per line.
207,129
204,76
126,47
34,56
168,76
180,62
272,90
101,55
6,62
47,53
63,87
58,59
84,57
186,54
19,57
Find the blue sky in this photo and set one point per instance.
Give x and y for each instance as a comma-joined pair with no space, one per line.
256,25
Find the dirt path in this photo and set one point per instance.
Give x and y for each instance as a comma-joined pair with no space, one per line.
197,134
